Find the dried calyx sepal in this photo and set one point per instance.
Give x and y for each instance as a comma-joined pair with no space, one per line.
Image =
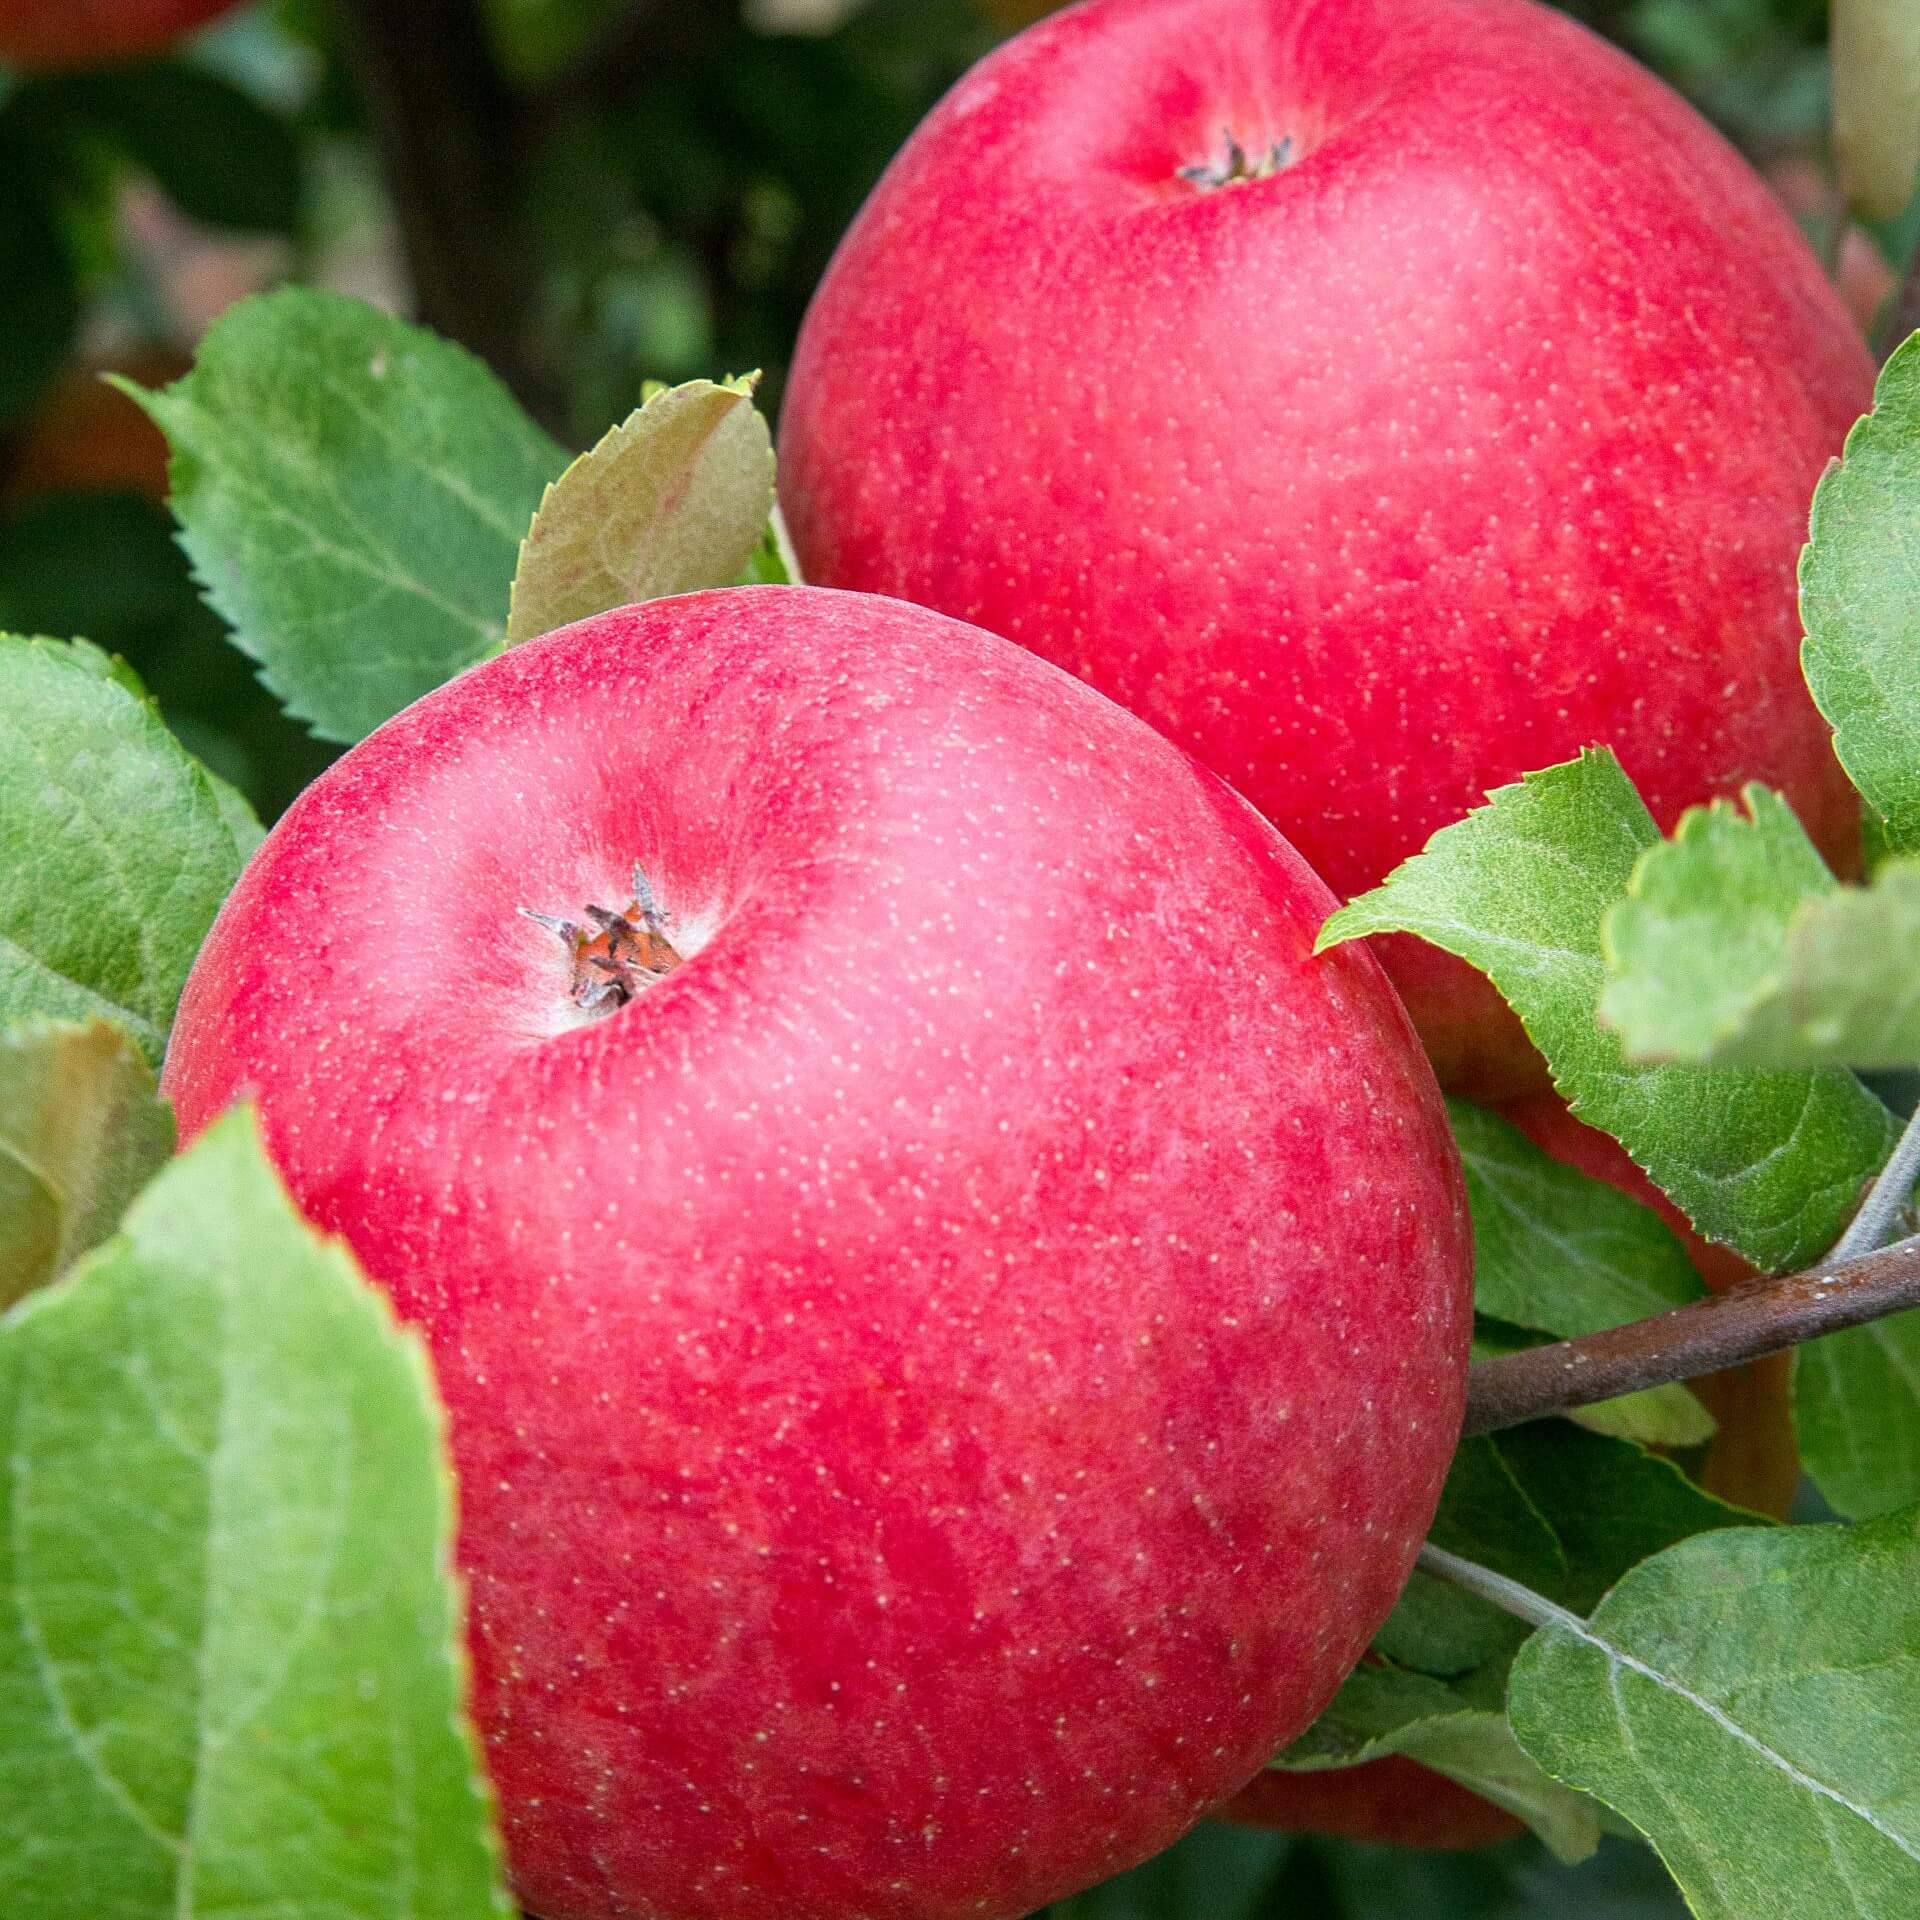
620,953
1239,165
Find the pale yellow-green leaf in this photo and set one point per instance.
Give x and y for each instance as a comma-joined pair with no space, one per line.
81,1129
1876,102
673,499
1667,1416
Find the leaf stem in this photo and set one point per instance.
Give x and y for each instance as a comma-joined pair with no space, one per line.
1885,1201
1508,1595
1729,1329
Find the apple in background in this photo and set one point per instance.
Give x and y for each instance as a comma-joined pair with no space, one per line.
91,33
1391,1802
88,437
1752,1459
1382,397
953,1320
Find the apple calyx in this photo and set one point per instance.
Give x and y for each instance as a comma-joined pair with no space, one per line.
1239,166
628,952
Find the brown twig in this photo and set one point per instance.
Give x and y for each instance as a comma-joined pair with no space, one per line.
1724,1330
448,129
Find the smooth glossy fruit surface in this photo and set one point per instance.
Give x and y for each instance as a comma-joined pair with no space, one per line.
1750,1461
1383,397
945,1379
89,33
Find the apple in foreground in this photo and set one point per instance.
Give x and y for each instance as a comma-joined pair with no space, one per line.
1750,1461
953,1320
1384,398
87,33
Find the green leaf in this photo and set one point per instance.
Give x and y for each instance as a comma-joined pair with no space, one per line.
774,562
217,154
81,1130
1485,1514
1436,1628
673,499
1856,1415
1381,1711
1862,651
1749,1700
1876,103
1554,1249
230,1678
352,492
1771,1162
1699,937
1561,1510
1839,987
1735,945
1609,1505
1667,1416
116,846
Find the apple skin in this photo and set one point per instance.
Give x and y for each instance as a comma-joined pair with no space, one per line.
947,1382
1390,1802
1482,432
1752,1459
88,33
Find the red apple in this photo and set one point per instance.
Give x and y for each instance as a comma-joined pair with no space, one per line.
953,1320
1751,1461
1391,1802
1382,397
90,33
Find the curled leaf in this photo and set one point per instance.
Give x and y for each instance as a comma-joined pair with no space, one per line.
81,1129
675,498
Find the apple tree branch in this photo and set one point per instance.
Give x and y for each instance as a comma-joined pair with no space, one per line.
1767,1315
